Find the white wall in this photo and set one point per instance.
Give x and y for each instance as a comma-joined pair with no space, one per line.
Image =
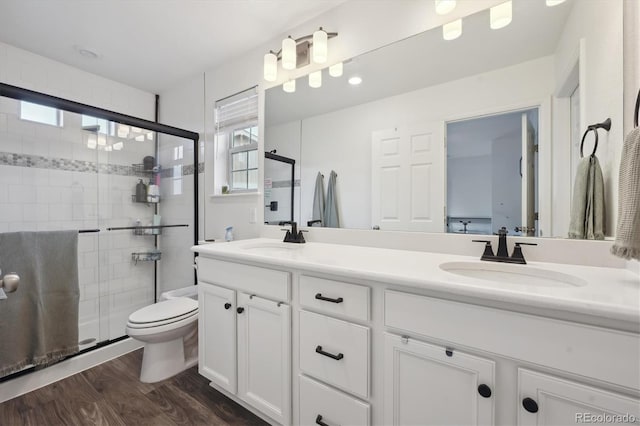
601,85
341,140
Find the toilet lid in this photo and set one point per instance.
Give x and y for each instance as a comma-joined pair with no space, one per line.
171,309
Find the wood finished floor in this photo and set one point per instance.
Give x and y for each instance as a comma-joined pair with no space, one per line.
112,394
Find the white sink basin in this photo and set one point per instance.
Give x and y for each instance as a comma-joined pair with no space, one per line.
274,248
513,274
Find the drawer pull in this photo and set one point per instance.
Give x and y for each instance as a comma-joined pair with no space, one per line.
530,405
321,352
484,391
319,296
319,421
227,305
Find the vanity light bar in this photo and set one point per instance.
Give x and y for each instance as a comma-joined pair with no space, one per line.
295,53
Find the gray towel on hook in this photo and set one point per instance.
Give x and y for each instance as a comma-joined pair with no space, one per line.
331,216
318,199
587,207
39,321
627,244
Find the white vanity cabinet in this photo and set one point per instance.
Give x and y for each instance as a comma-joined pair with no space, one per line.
431,385
245,338
309,343
413,368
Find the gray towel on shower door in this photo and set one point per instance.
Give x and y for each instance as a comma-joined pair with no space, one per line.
587,206
627,243
331,216
318,199
39,321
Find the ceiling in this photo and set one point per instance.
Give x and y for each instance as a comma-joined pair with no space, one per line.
426,60
150,44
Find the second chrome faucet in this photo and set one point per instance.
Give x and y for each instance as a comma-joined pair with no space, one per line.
502,254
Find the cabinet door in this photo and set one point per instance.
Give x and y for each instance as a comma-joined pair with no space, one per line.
428,385
548,400
217,335
264,356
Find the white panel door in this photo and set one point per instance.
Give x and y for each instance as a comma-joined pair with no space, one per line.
217,335
264,356
549,401
408,178
426,385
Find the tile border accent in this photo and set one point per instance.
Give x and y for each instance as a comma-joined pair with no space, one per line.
66,164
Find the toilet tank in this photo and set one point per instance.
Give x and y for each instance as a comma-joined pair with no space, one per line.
189,291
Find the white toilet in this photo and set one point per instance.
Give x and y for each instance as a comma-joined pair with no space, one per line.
166,328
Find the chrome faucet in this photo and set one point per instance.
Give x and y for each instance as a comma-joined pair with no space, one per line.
293,235
503,254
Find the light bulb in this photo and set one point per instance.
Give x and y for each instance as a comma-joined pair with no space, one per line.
320,46
289,86
552,3
315,79
289,53
270,67
335,70
444,6
500,15
452,30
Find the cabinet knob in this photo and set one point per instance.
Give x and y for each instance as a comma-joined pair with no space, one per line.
240,310
484,391
530,405
227,305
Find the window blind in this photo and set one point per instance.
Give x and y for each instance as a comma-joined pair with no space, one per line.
236,109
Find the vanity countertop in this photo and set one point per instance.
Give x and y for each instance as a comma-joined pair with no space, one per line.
610,293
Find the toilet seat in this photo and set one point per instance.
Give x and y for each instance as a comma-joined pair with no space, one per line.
163,313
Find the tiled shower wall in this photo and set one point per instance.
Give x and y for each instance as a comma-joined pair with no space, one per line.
50,179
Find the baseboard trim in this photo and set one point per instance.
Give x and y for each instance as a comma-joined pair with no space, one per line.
37,379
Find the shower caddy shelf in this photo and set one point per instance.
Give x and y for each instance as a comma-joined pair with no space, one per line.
139,170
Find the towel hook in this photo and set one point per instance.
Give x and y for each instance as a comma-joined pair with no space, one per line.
606,124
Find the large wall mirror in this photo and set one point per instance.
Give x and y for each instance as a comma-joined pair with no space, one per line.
464,136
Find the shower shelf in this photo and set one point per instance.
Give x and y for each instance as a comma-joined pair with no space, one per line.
139,168
145,256
133,199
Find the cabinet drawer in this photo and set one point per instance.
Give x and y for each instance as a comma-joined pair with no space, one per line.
264,282
572,347
320,403
335,351
335,297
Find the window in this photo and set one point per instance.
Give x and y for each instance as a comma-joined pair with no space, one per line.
243,153
237,142
40,114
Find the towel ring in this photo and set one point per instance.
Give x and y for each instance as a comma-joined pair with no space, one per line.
606,124
595,146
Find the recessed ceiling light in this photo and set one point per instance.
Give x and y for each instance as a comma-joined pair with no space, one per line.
355,80
87,53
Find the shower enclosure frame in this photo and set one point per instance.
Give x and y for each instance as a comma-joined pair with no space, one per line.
21,94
